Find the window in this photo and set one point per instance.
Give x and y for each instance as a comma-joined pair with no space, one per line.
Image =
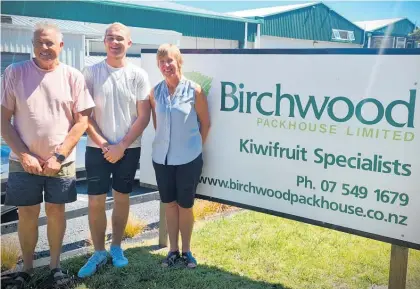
6,19
382,42
342,35
418,44
400,43
8,58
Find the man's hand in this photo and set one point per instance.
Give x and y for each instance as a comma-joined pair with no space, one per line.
114,153
51,167
104,147
31,164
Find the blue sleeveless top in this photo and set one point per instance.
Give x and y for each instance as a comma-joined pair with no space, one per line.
177,139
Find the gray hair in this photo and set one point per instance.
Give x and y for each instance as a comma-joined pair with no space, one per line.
45,25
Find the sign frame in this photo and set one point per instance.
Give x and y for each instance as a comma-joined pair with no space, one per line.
306,51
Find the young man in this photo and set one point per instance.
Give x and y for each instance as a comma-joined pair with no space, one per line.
50,105
120,91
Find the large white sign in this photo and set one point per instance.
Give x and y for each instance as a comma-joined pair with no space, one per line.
331,138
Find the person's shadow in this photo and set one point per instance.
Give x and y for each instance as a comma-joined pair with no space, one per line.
145,271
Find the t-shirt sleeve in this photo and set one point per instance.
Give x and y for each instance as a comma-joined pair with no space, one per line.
81,94
143,86
88,75
8,98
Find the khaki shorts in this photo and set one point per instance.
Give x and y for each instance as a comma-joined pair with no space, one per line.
67,170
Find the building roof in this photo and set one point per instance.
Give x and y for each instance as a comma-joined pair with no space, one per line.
263,12
373,25
169,6
152,14
66,26
290,21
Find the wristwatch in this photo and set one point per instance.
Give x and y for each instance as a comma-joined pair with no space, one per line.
60,158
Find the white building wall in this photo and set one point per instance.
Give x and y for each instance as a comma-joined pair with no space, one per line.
279,42
266,42
185,42
188,42
222,43
250,45
20,41
99,47
145,36
73,51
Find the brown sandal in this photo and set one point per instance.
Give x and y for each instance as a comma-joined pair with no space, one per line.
58,281
16,280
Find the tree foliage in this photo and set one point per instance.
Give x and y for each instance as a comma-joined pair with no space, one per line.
416,34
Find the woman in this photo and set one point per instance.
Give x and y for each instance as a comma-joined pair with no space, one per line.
181,119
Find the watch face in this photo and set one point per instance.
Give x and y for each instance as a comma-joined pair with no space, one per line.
59,157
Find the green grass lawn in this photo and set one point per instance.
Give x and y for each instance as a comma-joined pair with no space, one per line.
254,250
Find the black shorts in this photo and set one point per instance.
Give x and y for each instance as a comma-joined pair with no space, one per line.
179,182
25,189
99,170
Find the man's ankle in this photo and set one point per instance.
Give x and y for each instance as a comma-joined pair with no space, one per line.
115,244
101,252
55,266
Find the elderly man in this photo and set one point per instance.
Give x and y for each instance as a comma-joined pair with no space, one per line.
50,105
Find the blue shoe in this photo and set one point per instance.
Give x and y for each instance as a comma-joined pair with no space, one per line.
189,260
97,260
118,258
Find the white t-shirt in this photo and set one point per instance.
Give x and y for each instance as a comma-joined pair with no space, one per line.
115,92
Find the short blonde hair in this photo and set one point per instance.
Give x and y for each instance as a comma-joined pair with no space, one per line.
46,25
165,49
121,27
